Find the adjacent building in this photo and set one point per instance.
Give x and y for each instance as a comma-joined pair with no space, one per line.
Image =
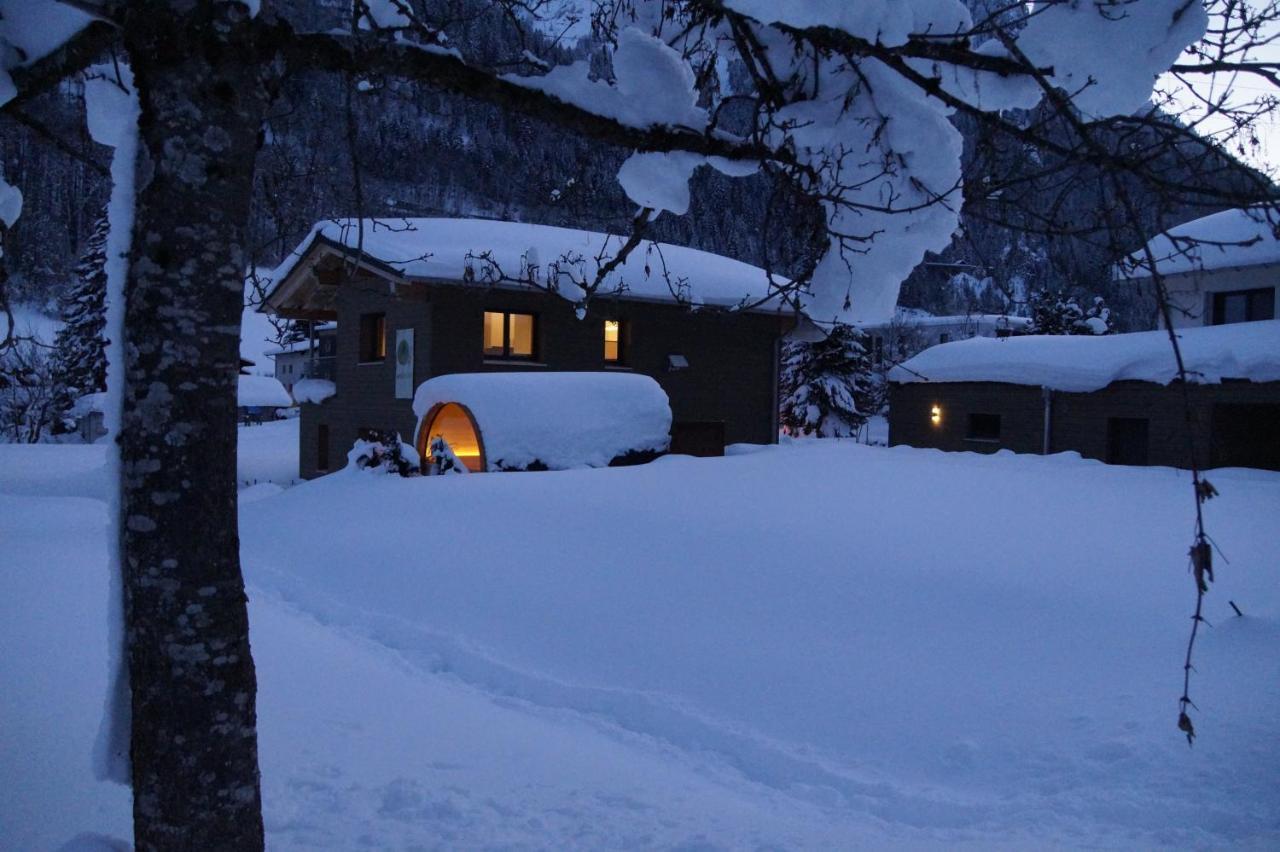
1217,270
413,299
1115,398
311,358
911,331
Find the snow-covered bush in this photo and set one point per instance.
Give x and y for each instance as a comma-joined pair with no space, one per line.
443,459
1059,313
384,451
828,386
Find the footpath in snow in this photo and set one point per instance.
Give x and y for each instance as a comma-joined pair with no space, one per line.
980,647
817,646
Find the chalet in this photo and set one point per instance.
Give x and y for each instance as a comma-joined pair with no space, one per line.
1217,270
311,358
911,331
421,298
1115,398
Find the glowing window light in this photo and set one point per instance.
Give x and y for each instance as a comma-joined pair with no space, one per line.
453,424
612,341
935,415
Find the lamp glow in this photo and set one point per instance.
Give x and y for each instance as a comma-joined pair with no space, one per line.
935,415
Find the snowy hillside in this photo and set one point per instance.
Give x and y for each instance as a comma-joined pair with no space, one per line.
822,645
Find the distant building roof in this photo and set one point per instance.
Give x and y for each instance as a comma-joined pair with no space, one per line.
262,392
1083,363
1232,238
914,316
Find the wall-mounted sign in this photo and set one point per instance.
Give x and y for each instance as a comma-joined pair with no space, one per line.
404,363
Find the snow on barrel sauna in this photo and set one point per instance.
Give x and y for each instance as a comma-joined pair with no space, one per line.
543,421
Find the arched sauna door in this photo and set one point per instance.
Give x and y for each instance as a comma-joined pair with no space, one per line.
455,424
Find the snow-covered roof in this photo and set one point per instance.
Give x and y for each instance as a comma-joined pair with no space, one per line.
1084,363
313,390
451,250
264,391
257,334
911,316
89,403
1231,238
562,420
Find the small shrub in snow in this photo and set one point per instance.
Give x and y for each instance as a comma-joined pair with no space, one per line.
828,387
442,458
384,451
1058,313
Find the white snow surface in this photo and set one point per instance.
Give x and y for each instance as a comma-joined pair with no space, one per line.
262,391
670,656
659,180
563,420
653,85
313,390
10,203
30,321
1081,363
444,249
1230,238
111,115
258,337
888,22
29,31
1106,55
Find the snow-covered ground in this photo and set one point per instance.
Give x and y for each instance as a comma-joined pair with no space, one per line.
822,645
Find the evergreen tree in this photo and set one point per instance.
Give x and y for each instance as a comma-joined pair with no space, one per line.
828,386
80,361
1058,313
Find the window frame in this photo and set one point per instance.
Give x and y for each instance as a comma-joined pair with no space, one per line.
1123,438
623,335
1252,296
983,436
507,354
322,447
372,348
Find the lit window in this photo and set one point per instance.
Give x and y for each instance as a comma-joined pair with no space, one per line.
508,335
373,337
613,341
453,423
494,343
520,335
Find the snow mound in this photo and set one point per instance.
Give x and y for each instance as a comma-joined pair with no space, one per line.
1081,363
492,252
261,391
561,420
313,390
1239,237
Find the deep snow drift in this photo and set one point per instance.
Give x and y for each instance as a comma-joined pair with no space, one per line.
818,645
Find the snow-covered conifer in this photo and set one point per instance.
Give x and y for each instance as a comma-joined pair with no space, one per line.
1059,313
80,361
828,386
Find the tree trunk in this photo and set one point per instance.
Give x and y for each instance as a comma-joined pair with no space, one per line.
193,748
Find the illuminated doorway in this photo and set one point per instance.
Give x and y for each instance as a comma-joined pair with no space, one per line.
455,424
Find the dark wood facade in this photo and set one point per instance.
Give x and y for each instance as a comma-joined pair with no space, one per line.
730,383
1234,424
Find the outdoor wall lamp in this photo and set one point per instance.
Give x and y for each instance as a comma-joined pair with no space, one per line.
935,415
